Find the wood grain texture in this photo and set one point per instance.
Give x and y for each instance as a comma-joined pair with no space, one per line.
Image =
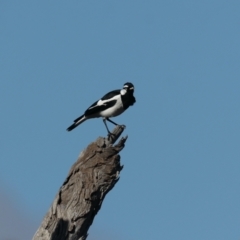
91,177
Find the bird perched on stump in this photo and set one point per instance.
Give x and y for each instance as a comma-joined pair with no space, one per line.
110,105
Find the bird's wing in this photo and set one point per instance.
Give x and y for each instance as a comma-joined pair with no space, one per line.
110,95
105,102
95,108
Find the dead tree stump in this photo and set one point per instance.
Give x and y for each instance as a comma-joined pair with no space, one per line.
79,199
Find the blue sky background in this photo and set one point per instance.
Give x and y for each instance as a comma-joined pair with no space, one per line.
181,161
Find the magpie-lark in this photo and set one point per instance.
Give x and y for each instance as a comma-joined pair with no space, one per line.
110,105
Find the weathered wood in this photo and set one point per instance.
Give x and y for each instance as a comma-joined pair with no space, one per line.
91,177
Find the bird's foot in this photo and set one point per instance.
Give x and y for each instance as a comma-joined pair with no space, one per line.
112,135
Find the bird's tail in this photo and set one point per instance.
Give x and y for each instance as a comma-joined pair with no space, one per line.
77,122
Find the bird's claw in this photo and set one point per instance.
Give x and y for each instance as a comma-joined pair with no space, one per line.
110,134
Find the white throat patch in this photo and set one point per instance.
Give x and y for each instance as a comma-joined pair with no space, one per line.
123,92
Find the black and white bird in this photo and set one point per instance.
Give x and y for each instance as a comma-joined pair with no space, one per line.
110,105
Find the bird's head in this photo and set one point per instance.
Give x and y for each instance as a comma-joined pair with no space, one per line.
128,87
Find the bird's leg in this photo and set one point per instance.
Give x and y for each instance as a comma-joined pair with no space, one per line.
111,121
115,123
104,120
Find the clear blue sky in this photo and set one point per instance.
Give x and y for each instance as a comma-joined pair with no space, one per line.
182,159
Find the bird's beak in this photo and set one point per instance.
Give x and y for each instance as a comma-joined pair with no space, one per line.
131,88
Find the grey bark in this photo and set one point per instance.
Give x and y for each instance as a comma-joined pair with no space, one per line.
79,199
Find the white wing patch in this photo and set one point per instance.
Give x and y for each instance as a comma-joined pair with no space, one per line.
114,110
101,102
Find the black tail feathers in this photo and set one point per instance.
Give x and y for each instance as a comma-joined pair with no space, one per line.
76,122
72,127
